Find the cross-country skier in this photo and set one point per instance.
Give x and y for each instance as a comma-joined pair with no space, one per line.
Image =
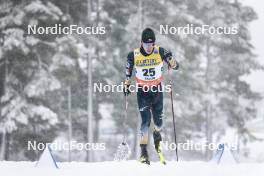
148,63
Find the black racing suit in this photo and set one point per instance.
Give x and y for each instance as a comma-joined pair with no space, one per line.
149,102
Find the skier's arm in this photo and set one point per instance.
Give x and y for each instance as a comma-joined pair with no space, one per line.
167,57
129,65
129,71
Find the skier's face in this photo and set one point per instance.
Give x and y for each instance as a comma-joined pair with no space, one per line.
148,47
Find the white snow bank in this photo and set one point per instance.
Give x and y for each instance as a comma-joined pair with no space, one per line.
131,168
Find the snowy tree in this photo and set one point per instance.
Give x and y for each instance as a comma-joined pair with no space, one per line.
27,75
228,98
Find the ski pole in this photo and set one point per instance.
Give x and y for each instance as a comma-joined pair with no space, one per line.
173,117
123,151
124,121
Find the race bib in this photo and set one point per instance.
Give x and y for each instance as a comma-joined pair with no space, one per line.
148,69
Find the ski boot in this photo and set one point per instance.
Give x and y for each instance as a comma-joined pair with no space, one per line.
144,154
157,139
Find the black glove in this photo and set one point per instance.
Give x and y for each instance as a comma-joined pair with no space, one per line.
126,87
173,63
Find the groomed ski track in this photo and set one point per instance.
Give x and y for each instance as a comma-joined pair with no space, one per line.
131,168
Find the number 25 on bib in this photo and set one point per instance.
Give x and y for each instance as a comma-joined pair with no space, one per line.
148,68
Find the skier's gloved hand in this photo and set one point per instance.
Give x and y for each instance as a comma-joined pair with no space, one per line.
126,87
172,63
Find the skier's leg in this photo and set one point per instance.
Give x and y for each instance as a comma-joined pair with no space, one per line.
144,109
157,110
145,123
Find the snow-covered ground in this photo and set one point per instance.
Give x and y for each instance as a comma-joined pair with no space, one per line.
131,168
